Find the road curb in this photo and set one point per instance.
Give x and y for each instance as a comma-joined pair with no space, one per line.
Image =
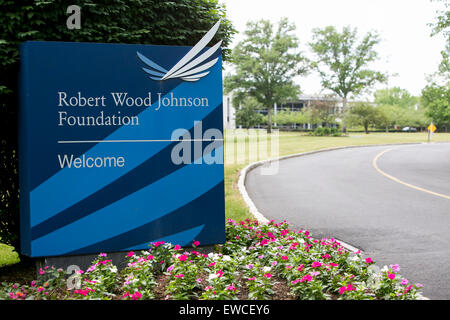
262,219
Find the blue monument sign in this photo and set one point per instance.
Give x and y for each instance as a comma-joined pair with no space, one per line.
120,146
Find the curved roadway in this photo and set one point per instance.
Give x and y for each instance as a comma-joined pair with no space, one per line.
392,202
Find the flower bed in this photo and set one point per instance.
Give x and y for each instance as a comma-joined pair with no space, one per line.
258,261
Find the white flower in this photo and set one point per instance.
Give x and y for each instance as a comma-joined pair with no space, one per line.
226,258
267,269
212,276
113,269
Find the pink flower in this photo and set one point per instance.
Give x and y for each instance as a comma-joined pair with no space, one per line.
395,267
369,260
332,264
285,258
102,254
251,279
196,243
268,275
169,269
136,295
41,272
220,273
182,257
408,288
212,264
130,254
300,267
306,278
91,268
404,282
179,275
349,287
316,264
391,276
326,256
231,288
177,247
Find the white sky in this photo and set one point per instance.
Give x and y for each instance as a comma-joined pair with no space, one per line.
406,48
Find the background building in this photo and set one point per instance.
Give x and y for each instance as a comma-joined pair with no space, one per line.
302,103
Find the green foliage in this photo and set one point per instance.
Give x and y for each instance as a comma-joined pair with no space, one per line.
342,62
178,22
326,131
290,117
266,62
249,265
436,100
395,97
442,20
246,115
394,115
323,111
365,114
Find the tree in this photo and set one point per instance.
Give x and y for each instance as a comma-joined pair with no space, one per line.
246,115
442,20
324,110
363,113
436,100
442,26
342,62
395,97
392,115
266,62
414,118
177,22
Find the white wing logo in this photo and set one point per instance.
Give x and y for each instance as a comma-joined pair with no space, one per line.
188,68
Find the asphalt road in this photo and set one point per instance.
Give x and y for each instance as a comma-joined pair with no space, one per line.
392,202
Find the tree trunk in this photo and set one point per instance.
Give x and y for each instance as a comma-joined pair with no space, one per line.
366,128
344,108
269,120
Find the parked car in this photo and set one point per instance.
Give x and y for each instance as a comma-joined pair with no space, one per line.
409,129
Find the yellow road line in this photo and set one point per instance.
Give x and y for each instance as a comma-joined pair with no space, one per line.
375,165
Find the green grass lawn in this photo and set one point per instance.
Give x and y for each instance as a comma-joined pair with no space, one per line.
289,143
